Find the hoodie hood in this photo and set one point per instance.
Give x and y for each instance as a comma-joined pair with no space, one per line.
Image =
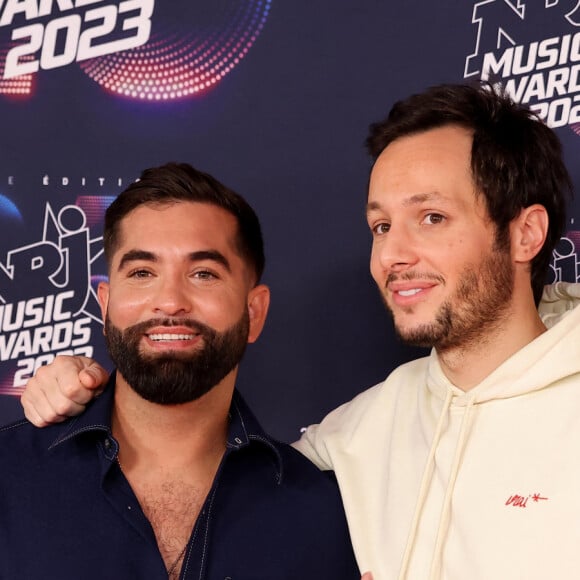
552,356
557,301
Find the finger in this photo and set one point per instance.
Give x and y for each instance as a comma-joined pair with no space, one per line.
56,391
38,409
70,379
30,411
59,406
70,392
367,576
94,376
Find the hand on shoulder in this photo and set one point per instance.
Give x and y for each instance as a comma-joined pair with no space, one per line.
62,389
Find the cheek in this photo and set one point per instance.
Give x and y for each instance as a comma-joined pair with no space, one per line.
376,269
219,309
125,306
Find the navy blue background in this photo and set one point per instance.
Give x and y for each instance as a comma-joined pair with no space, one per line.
286,129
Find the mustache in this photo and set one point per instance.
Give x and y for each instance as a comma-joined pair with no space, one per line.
412,275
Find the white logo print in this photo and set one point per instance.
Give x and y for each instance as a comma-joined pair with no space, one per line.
533,49
47,303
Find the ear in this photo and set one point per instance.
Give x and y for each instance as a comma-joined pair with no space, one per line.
528,233
258,303
103,295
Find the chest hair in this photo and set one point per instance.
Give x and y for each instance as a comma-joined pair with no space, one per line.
172,507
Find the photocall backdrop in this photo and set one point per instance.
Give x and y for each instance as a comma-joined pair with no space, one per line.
272,97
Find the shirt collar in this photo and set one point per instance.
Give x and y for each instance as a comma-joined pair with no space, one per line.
96,418
244,428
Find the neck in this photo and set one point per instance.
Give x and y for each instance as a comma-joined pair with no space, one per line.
467,365
171,437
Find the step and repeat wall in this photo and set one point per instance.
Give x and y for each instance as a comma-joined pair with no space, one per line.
274,98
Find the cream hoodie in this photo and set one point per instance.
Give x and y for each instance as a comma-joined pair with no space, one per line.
442,484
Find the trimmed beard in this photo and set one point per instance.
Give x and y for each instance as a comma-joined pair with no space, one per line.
477,307
175,378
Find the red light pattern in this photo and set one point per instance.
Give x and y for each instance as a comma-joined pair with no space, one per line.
171,67
18,86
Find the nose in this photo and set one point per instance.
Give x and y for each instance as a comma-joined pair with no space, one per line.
393,252
173,297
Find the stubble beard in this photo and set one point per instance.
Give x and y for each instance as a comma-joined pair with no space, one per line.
475,310
174,377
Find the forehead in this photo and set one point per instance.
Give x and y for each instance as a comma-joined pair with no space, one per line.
187,225
436,163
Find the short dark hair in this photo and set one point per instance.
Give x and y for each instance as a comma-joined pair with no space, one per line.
176,182
516,160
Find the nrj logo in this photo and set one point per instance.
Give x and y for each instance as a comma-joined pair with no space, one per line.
47,303
565,264
533,49
141,49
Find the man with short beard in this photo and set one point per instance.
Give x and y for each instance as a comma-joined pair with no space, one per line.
168,474
463,464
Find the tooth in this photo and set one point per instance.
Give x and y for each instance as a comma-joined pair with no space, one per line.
170,336
411,292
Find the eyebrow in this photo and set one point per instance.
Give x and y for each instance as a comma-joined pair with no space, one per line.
409,201
201,255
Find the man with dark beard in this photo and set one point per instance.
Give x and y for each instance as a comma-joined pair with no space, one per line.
463,464
168,474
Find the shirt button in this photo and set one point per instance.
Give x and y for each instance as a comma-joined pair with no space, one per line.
239,442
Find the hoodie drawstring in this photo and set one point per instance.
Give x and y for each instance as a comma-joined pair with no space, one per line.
423,490
446,509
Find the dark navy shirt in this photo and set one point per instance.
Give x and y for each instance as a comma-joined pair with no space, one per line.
67,512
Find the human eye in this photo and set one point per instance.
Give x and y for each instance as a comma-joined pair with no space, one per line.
380,228
139,273
205,275
433,218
